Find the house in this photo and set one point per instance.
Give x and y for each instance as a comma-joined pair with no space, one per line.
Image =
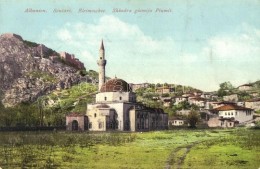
229,115
245,87
254,94
241,103
166,101
164,89
198,101
183,112
210,104
222,122
253,104
176,121
206,95
231,98
138,86
223,103
179,99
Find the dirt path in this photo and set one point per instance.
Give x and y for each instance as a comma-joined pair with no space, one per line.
178,161
181,160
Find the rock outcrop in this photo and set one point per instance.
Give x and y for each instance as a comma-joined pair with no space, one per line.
27,72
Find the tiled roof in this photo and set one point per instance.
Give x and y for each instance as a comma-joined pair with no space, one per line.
246,85
198,99
254,100
231,107
226,102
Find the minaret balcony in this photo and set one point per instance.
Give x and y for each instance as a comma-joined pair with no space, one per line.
102,62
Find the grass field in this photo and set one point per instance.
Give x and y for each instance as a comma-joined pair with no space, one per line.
234,148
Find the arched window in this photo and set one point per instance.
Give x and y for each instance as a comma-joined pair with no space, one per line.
95,115
120,98
100,125
75,125
105,98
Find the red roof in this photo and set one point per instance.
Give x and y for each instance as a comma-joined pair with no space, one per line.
198,98
226,102
254,100
231,107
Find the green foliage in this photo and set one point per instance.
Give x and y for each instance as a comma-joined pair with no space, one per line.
23,114
47,78
225,88
83,72
193,118
41,113
237,148
51,52
243,96
74,99
256,85
30,44
92,73
165,95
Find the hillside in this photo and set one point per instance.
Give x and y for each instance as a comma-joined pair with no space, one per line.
28,72
50,109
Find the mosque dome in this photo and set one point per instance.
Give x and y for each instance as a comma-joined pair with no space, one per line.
115,85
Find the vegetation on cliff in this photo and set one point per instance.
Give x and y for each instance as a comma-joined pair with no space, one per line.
49,110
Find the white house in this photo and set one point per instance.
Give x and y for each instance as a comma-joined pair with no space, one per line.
238,113
198,101
176,122
180,99
245,87
253,104
183,112
166,101
231,98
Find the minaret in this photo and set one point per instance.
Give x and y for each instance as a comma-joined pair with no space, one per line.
102,64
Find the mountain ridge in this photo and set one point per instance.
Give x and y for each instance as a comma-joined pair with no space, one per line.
28,70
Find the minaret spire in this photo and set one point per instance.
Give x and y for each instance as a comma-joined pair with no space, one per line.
102,45
102,64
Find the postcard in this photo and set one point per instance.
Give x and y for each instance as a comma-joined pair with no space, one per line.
129,84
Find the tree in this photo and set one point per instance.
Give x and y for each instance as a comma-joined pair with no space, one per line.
225,89
193,118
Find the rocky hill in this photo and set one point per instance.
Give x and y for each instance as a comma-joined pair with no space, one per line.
28,70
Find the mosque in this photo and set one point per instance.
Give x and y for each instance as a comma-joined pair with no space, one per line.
116,108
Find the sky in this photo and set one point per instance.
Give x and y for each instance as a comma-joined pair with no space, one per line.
198,43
